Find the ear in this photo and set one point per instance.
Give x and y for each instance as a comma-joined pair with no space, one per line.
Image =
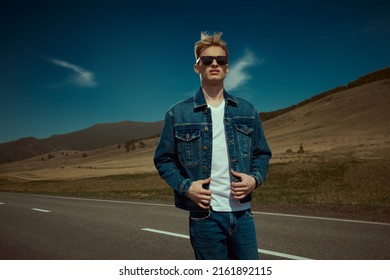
196,68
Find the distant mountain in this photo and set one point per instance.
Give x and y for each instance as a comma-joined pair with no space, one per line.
97,136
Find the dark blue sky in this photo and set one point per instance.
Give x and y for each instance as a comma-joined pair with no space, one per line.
67,65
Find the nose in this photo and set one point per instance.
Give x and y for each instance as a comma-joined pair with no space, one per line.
214,63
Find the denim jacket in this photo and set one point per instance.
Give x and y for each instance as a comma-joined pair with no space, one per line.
183,154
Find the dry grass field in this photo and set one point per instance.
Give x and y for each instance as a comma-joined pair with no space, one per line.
344,169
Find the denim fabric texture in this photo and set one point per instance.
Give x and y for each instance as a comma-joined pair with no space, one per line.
223,235
183,154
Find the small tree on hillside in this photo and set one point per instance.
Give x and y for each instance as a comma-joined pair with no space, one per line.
130,145
301,150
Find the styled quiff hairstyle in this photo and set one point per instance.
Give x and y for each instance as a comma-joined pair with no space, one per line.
207,40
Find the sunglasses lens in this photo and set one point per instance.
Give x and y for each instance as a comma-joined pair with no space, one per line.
221,60
208,60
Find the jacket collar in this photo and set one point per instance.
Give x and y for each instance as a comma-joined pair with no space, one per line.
200,101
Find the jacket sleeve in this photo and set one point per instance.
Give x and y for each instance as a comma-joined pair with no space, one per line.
166,158
261,153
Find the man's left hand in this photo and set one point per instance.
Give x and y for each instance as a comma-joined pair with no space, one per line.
245,185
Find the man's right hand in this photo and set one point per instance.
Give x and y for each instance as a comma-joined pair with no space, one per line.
199,195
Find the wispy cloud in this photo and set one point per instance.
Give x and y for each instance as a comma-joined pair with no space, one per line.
79,76
238,73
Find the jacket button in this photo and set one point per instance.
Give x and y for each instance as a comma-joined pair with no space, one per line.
205,148
204,167
206,129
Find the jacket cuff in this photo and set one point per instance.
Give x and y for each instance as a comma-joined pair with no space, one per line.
258,179
185,185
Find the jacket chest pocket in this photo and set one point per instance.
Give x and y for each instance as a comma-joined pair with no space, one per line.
188,146
244,139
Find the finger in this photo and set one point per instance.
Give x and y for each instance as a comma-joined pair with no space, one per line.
238,184
203,206
236,174
205,181
205,202
205,192
237,177
239,192
205,197
236,193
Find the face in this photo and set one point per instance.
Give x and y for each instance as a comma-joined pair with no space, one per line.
213,74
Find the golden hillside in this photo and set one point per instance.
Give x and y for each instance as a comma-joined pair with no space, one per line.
351,123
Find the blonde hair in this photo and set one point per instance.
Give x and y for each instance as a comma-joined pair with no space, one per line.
207,40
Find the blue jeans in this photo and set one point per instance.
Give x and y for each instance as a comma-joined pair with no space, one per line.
223,235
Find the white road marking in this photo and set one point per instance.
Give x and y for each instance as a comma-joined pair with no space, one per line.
322,218
41,210
262,251
104,200
170,205
1,203
282,255
166,233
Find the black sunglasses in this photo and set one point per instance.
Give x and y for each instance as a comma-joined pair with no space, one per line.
208,60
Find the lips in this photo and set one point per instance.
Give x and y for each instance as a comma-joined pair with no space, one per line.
214,71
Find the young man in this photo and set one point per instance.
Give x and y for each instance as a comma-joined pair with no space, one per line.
214,154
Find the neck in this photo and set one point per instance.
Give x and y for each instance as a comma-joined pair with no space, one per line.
213,94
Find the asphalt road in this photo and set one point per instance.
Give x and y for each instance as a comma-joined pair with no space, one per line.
49,227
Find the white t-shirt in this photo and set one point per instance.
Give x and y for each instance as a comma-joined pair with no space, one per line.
221,199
